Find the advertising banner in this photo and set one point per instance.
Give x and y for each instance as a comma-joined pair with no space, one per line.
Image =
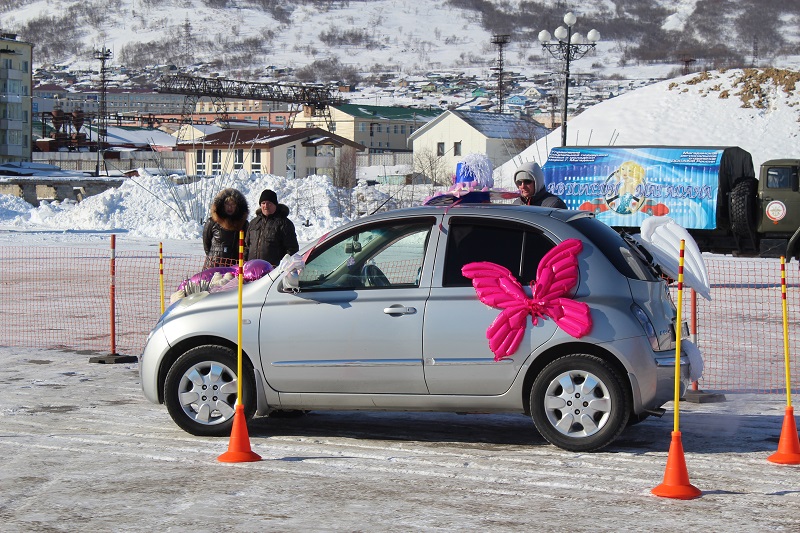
623,186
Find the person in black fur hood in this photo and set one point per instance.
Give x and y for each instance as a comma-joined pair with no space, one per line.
271,234
221,232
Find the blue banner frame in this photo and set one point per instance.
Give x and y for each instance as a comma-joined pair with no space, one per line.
623,186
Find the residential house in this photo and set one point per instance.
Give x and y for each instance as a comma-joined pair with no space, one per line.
195,132
16,107
377,128
293,152
517,102
49,91
429,88
117,138
535,93
455,134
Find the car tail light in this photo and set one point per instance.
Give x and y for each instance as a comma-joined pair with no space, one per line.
647,326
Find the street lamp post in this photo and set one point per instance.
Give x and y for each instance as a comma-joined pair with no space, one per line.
568,47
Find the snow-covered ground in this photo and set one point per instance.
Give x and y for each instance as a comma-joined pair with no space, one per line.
84,451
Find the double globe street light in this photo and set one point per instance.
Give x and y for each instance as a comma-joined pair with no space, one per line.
568,47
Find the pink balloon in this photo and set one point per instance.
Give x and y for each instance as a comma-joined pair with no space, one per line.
256,269
253,270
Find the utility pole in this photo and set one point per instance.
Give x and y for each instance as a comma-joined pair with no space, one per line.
102,115
500,41
687,60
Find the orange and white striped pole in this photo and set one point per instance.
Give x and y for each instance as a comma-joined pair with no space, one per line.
161,274
112,294
113,357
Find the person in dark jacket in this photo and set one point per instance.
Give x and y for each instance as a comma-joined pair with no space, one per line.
271,234
221,232
228,216
529,179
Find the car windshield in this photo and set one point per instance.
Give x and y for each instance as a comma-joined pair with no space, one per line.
625,256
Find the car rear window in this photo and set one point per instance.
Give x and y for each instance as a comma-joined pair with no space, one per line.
627,258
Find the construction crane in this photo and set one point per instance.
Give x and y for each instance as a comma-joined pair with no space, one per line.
319,97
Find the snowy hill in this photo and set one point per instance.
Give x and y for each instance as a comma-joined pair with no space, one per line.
755,109
241,38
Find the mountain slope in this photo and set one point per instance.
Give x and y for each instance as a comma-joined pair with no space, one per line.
238,38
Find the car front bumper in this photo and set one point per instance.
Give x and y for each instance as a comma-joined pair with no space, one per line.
150,361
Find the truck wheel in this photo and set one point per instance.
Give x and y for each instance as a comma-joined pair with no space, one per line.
743,208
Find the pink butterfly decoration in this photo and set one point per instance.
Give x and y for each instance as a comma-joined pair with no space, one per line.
497,287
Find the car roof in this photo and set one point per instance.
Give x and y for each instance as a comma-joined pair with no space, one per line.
488,210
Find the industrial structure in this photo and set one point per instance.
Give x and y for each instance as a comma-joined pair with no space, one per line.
316,97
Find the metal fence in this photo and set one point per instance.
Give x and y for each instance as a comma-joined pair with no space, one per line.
61,298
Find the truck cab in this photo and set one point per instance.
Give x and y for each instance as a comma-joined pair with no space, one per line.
778,199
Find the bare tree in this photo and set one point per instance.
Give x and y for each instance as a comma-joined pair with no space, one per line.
430,165
525,133
344,173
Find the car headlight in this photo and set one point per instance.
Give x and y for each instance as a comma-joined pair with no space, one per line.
182,304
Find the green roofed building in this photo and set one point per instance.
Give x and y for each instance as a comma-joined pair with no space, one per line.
377,128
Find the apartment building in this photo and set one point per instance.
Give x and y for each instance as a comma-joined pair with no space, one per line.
123,101
293,152
16,80
377,128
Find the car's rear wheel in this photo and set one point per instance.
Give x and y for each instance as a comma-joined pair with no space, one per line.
578,403
201,388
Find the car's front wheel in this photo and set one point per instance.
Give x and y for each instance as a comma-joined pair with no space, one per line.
578,403
201,388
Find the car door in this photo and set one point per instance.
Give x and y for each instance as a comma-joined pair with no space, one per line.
355,323
780,200
456,351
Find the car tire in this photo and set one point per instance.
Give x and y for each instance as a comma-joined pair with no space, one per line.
743,208
579,403
201,388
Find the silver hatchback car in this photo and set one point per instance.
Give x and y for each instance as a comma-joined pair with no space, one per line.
385,316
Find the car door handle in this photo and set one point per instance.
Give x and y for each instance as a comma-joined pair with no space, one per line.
399,310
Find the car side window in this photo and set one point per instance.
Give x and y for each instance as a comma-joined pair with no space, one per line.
778,177
517,248
379,256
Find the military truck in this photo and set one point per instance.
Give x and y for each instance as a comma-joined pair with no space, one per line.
711,191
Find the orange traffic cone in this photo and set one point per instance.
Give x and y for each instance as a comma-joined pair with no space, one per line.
789,445
239,445
676,477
